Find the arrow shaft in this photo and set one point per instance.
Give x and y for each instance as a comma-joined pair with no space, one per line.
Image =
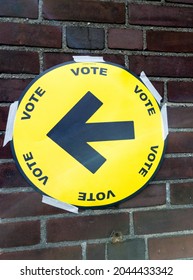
108,131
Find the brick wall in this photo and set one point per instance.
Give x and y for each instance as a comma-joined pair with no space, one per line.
154,36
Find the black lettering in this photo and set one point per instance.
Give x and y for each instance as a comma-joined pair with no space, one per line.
143,96
28,156
137,90
30,165
82,196
39,91
103,71
44,179
153,149
143,171
110,193
151,157
75,72
94,69
85,70
33,98
29,107
26,116
100,196
91,198
37,172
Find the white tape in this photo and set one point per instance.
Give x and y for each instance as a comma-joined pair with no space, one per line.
165,120
87,58
150,86
10,123
59,204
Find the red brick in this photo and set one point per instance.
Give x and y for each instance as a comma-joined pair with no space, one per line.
169,41
10,176
180,91
52,59
95,251
5,152
19,62
180,117
162,66
159,221
23,204
30,35
128,39
147,14
169,248
11,89
3,116
88,227
84,10
19,234
181,193
152,195
175,168
60,253
180,142
19,8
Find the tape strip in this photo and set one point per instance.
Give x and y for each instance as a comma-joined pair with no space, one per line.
150,86
10,123
59,204
87,58
165,120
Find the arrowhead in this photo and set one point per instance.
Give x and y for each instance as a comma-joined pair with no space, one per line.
72,132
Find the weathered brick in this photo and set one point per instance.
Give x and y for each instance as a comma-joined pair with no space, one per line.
4,110
84,10
180,142
11,89
150,196
24,204
19,234
175,168
164,66
19,62
167,248
5,152
129,39
180,117
180,91
88,227
95,251
19,8
10,176
60,253
133,249
169,41
147,14
85,38
159,221
181,193
30,35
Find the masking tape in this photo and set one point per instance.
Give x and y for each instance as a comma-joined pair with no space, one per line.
59,204
150,86
10,123
87,58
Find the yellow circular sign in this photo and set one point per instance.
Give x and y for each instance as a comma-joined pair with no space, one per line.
88,134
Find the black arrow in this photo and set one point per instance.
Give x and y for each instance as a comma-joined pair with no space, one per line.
72,132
